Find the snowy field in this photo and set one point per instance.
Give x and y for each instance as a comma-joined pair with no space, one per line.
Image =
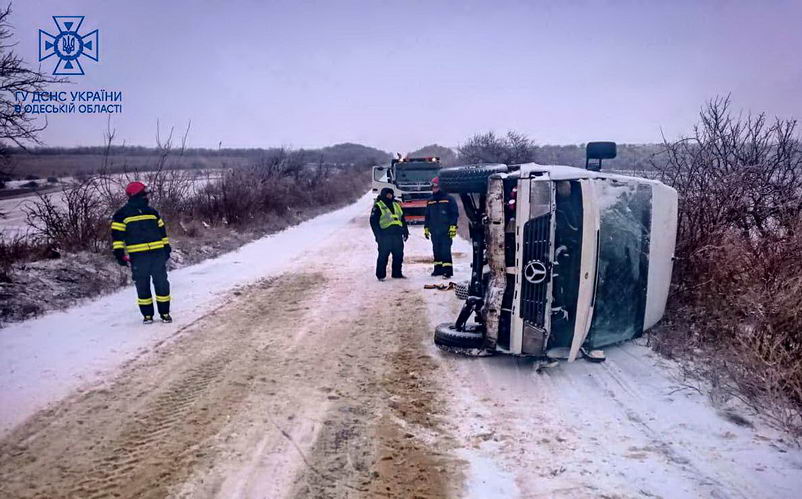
290,371
13,221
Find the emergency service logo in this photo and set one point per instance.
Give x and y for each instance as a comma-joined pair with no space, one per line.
68,45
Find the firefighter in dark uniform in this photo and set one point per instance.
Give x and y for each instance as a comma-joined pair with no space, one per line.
440,225
139,236
390,230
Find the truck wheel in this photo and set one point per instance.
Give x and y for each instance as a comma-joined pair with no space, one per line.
446,335
470,179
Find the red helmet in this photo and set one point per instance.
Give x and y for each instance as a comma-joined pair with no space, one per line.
436,181
134,188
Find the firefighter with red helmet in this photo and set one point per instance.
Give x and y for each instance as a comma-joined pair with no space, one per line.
440,225
140,237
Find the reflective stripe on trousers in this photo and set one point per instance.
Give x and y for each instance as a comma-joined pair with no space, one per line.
146,267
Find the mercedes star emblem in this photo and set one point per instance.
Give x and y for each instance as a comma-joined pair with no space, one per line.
535,272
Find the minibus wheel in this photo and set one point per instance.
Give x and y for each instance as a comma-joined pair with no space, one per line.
446,334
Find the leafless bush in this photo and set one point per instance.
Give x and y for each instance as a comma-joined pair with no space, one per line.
738,276
737,173
74,220
278,182
512,148
171,188
15,248
192,228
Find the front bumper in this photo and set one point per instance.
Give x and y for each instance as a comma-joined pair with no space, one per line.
414,211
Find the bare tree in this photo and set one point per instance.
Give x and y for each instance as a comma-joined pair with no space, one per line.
512,148
17,126
736,172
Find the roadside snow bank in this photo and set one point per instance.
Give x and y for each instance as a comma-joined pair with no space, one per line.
44,359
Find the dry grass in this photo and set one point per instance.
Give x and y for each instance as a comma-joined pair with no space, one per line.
737,290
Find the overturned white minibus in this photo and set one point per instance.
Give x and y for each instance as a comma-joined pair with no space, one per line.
565,260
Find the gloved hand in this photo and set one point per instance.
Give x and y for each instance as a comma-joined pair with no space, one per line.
123,260
406,236
426,232
452,231
168,249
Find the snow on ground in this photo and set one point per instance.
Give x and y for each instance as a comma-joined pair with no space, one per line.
622,428
43,360
625,427
13,220
312,386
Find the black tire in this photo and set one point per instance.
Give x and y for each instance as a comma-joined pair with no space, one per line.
461,290
446,335
470,179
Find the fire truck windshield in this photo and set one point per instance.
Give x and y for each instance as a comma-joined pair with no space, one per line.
408,174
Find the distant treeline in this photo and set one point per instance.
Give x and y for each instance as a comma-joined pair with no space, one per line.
331,153
572,154
516,148
75,161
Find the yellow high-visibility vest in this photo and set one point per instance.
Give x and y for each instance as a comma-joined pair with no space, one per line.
388,218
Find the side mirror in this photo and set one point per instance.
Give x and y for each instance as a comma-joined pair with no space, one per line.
379,173
600,151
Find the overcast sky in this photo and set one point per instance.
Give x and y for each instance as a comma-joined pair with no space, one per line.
399,75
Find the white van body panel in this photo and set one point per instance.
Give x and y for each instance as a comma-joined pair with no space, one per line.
661,252
587,270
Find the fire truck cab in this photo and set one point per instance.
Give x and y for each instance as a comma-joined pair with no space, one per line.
411,180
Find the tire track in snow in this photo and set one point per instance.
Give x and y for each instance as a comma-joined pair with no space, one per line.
149,428
672,454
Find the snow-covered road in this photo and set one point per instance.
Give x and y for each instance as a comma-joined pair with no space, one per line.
321,381
46,358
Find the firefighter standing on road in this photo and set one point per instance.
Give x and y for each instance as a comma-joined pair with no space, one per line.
139,236
440,225
390,230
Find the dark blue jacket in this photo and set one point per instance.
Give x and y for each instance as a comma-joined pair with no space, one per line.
441,213
138,228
